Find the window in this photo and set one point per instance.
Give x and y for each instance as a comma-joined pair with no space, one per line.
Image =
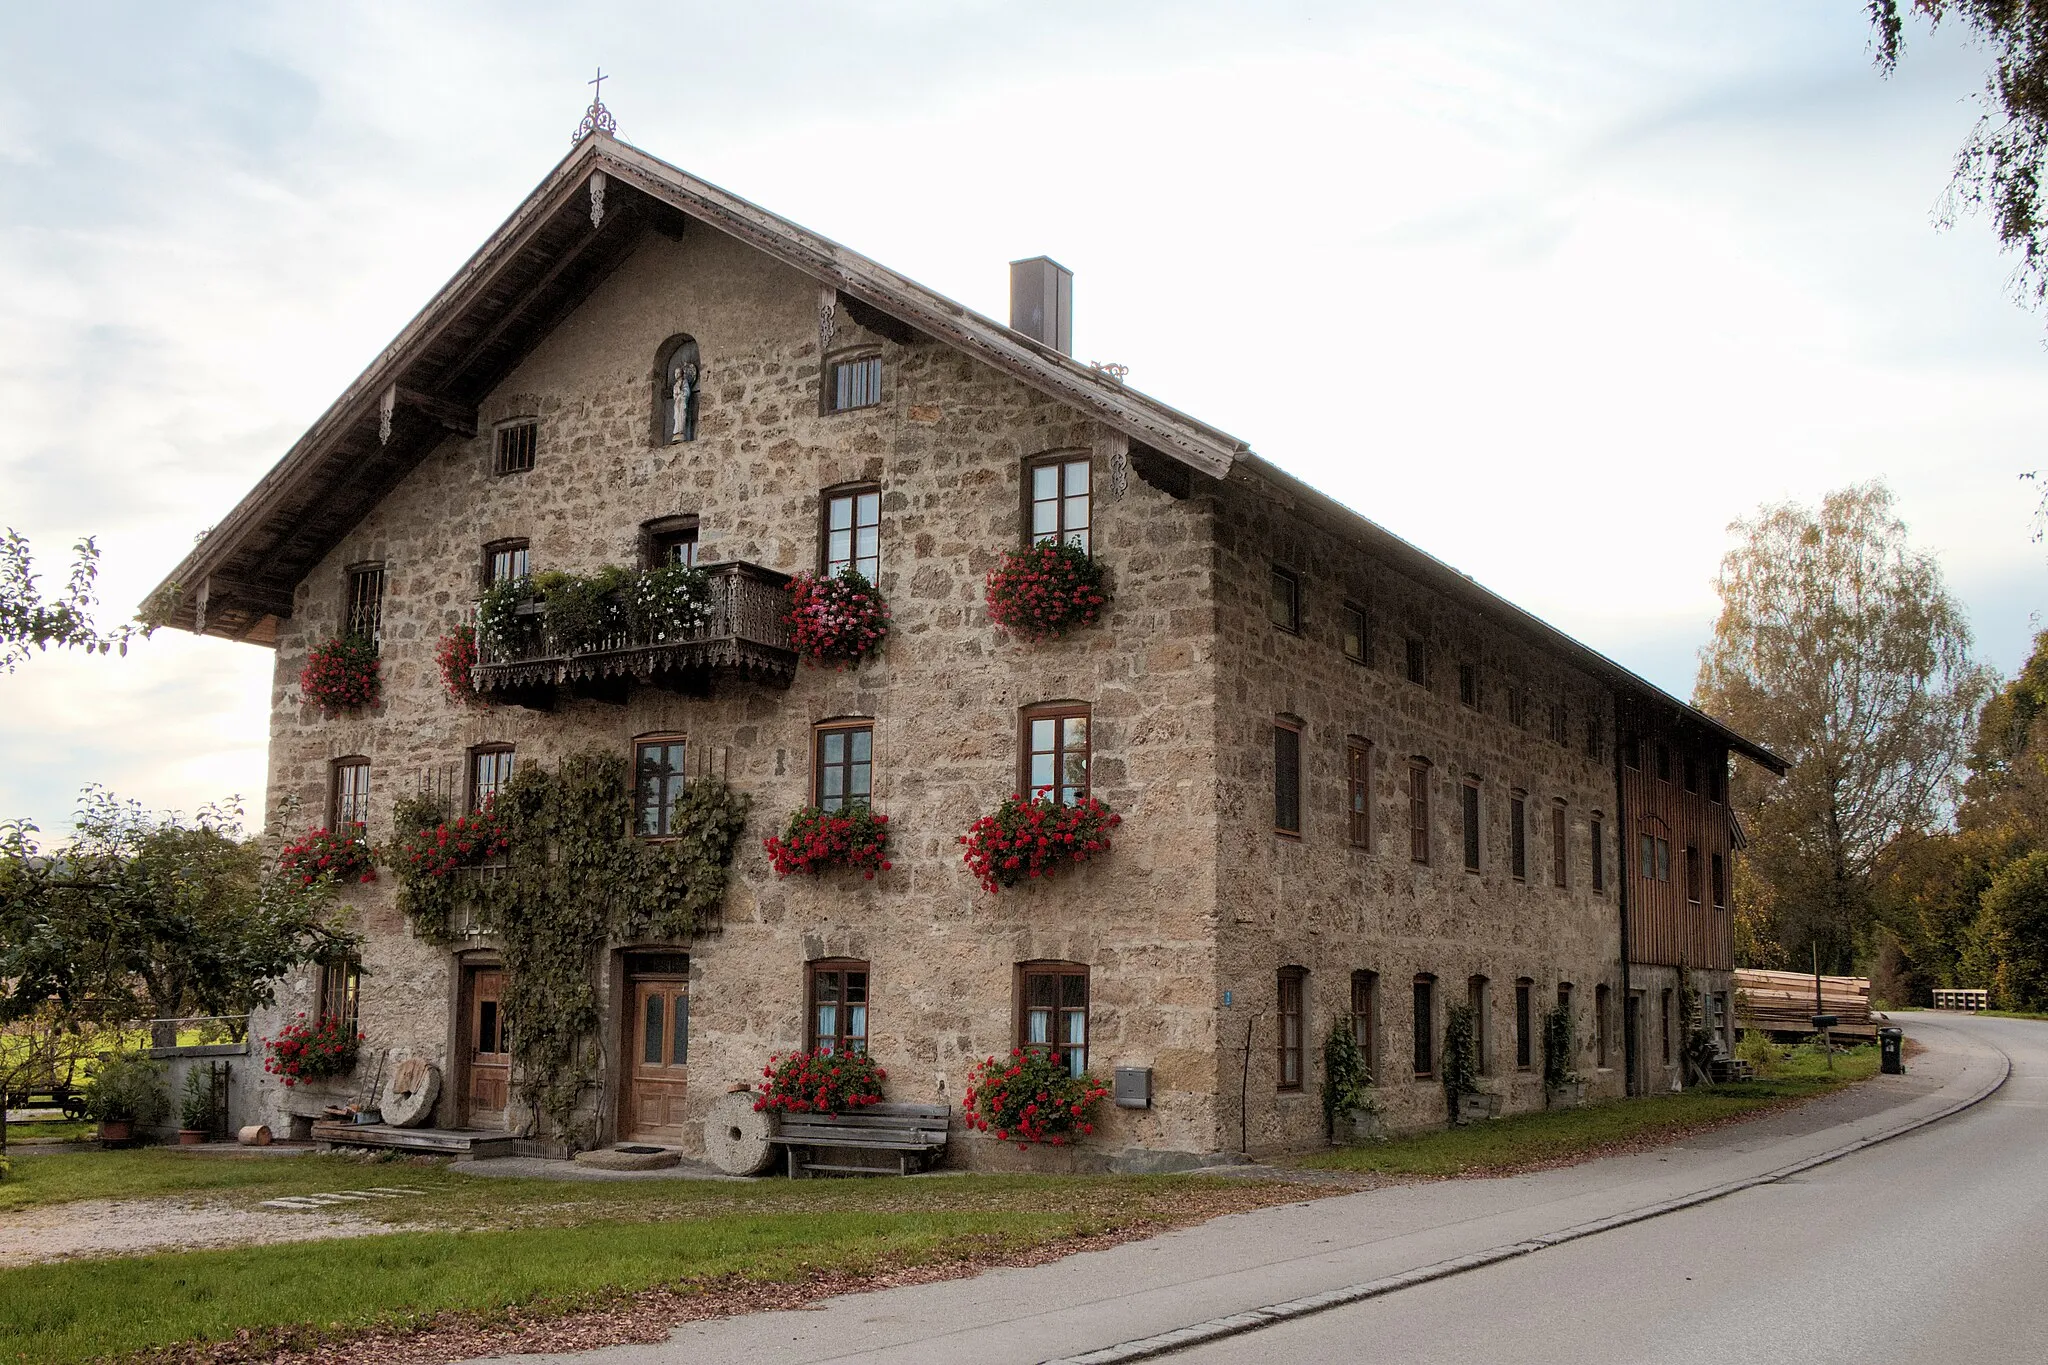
856,383
348,792
341,985
1292,1028
1424,1026
1287,777
1664,1025
1470,797
672,540
1058,491
1358,792
1595,745
1600,1001
1558,725
1518,708
1418,663
1655,853
658,782
1597,832
1663,763
1418,812
1525,1042
1475,999
853,532
845,766
837,1020
1631,753
1468,685
1357,639
1052,1015
1720,883
1518,837
505,561
1558,825
1690,767
490,768
1365,1013
675,402
1721,1015
1283,599
516,444
366,603
1692,874
1056,752
1564,994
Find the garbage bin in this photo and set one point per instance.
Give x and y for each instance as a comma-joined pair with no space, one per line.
1891,1044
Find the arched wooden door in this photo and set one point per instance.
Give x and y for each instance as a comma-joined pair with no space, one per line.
656,1047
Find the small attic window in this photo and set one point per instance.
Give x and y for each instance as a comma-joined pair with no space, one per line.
856,383
516,444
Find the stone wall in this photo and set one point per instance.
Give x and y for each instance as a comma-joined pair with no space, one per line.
1318,903
946,446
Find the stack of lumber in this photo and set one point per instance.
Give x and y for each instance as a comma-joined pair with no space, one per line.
1782,1002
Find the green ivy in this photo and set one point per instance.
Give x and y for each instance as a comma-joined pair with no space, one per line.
1461,1055
1347,1076
576,878
1560,1044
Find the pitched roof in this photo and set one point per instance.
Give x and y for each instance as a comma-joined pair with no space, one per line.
578,224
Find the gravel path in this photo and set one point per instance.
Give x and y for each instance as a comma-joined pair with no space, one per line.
126,1227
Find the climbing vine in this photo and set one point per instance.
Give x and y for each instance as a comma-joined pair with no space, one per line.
1461,1055
1560,1046
573,878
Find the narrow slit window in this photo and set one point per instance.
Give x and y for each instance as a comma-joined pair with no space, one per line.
1358,792
1597,833
1418,812
1287,778
1525,1045
1424,1027
1293,1028
1470,796
1468,686
1518,837
1418,663
1559,828
1365,1009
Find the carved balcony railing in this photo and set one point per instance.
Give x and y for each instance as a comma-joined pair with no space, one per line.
745,637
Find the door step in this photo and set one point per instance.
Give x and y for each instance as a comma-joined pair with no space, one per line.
454,1142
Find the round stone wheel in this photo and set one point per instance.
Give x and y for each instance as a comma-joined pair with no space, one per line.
736,1138
410,1094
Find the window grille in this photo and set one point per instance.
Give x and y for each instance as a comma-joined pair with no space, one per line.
366,603
1292,1028
516,444
1418,812
856,383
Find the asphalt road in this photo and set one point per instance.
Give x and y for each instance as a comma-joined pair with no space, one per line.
1930,1247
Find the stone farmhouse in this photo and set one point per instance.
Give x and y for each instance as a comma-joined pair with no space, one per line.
1356,788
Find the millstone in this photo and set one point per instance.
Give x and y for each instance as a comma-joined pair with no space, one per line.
409,1098
736,1138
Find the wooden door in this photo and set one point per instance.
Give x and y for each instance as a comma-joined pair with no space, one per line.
657,1049
487,1069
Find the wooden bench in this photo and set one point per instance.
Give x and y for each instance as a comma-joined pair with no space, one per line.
915,1133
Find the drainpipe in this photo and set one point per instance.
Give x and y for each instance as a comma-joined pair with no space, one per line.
1629,1041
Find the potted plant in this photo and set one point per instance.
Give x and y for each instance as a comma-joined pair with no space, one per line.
821,1082
1562,1088
1045,591
126,1093
1031,837
456,657
1031,1097
838,620
337,855
311,1052
1349,1108
195,1112
852,836
341,676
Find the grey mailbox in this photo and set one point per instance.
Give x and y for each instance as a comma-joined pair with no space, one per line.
1133,1088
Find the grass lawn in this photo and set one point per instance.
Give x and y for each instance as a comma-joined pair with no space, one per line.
51,1130
544,1246
1521,1141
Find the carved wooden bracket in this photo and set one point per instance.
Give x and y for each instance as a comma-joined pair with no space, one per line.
597,184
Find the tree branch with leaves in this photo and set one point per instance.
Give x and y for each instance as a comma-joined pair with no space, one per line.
29,624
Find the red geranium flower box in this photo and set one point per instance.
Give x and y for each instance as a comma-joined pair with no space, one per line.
1032,837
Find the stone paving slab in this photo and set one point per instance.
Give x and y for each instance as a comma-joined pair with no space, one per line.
321,1201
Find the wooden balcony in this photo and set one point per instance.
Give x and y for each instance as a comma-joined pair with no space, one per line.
745,639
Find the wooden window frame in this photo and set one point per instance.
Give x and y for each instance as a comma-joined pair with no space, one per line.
1662,755
1358,792
1415,664
1292,1007
1596,830
1693,875
673,780
515,446
1525,1024
1059,973
1063,532
846,765
476,794
1717,781
1056,711
657,537
841,968
1560,845
1468,686
512,547
1365,1022
1472,818
1689,772
1422,1027
1279,574
1518,835
363,606
1419,840
829,387
1287,787
344,977
1358,632
1479,999
852,493
340,805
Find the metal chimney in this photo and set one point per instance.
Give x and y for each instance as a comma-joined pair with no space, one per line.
1042,302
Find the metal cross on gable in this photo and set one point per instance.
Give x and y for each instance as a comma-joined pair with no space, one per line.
597,118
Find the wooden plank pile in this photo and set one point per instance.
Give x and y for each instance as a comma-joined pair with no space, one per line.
1782,1002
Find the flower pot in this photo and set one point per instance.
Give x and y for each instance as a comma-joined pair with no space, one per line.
116,1130
1357,1128
191,1137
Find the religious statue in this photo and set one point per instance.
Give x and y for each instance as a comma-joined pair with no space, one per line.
682,396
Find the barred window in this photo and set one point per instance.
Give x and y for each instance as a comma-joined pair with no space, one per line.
1418,812
1558,832
517,443
856,383
1293,1028
1358,792
366,603
1365,1013
1287,777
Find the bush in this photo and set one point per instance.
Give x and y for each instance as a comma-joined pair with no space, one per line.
1045,591
340,675
1461,1055
838,620
341,855
311,1052
1756,1048
852,836
1031,1097
1347,1076
1032,837
821,1082
128,1088
1560,1045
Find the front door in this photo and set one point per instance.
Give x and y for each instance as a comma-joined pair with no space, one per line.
487,1069
657,1046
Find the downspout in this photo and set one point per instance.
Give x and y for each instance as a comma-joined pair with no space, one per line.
1629,1041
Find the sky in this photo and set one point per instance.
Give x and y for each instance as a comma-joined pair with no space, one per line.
1556,291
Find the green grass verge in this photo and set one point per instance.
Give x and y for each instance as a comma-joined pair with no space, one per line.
305,1291
50,1130
1552,1136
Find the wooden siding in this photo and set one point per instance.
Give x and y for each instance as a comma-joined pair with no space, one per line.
1664,927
